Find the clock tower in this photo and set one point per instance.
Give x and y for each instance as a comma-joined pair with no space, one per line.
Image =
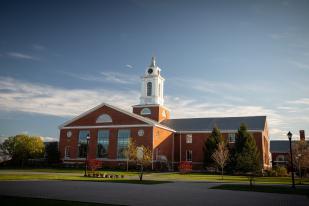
152,99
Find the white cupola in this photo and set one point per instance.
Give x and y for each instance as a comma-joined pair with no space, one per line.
152,85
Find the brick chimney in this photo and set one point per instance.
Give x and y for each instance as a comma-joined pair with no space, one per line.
302,135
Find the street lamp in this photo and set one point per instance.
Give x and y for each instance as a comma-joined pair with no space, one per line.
292,165
86,161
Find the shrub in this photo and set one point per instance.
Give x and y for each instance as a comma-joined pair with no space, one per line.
281,171
277,172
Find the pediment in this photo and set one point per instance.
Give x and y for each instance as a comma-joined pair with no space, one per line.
106,114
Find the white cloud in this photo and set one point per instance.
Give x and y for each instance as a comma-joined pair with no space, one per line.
218,87
16,95
129,66
49,139
21,56
38,47
278,36
120,78
304,101
299,65
107,76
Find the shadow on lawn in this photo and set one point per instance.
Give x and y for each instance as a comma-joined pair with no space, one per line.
265,188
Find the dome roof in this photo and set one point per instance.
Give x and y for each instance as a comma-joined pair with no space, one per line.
153,69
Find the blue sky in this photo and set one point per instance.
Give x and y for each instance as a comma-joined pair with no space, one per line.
219,58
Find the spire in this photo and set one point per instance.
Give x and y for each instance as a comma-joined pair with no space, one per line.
153,62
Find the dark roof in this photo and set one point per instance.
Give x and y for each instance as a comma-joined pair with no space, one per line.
279,146
223,123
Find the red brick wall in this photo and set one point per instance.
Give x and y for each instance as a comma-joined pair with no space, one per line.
117,117
197,145
90,120
156,112
146,140
163,143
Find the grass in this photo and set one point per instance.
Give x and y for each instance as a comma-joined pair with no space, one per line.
264,188
77,177
64,170
10,201
217,178
77,174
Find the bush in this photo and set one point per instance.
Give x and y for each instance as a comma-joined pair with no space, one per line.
277,172
281,171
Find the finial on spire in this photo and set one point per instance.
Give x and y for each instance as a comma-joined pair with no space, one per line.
153,62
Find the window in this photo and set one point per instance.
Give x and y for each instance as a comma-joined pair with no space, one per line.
189,155
280,158
159,90
103,142
82,143
67,153
145,111
104,118
231,137
189,138
122,142
149,88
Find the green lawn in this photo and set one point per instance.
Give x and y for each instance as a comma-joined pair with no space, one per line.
12,201
217,178
264,188
74,174
77,177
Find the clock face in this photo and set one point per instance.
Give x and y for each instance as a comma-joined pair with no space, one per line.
140,132
69,133
150,71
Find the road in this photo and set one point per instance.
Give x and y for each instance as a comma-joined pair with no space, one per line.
177,193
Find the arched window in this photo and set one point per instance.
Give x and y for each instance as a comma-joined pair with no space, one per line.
104,118
280,158
145,111
149,88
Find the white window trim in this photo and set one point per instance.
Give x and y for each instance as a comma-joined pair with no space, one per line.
104,118
187,155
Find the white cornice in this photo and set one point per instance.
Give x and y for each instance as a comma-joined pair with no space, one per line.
107,126
150,105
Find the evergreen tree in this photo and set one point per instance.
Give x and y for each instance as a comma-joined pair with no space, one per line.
242,135
247,156
211,145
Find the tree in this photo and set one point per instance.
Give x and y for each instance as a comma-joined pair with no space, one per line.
22,147
221,156
130,151
52,152
210,146
141,155
301,156
144,159
247,154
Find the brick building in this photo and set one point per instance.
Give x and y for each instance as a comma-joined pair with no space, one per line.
280,150
172,140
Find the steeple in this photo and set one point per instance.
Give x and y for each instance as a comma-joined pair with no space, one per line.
152,99
152,85
153,62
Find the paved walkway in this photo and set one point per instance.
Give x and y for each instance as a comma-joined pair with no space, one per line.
178,193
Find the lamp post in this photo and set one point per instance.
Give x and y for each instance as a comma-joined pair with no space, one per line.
86,161
292,165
